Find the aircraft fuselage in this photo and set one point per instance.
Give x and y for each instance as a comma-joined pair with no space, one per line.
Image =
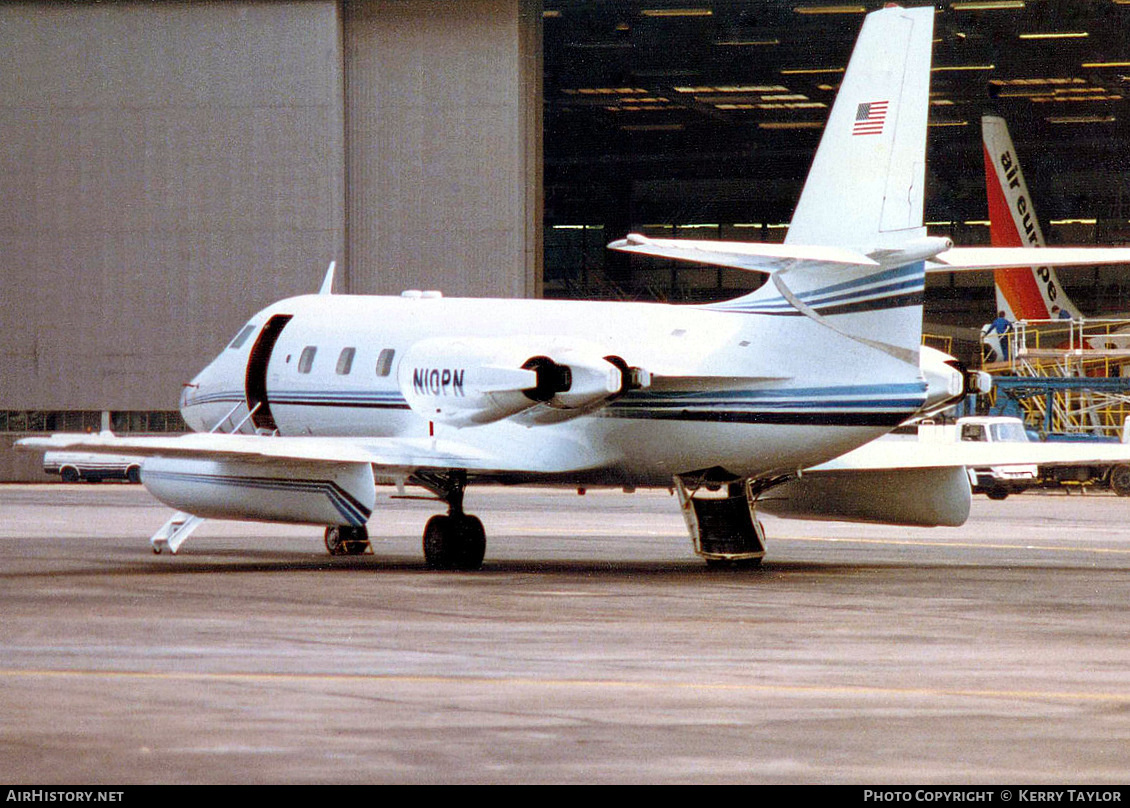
736,391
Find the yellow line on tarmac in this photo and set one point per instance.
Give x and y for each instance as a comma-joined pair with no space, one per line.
611,684
958,544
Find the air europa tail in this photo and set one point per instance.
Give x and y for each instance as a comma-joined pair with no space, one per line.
1023,293
865,188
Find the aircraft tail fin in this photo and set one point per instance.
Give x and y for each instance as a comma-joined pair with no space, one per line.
1023,293
864,194
865,188
853,263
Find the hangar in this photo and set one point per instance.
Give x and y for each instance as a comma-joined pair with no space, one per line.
168,167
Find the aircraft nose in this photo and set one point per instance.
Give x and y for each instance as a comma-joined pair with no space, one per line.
199,399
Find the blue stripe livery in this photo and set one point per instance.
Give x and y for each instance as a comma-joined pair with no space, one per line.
891,288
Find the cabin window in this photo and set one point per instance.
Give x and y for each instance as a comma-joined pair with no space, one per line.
345,361
384,362
242,336
306,360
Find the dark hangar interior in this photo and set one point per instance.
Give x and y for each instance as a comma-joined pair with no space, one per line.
699,118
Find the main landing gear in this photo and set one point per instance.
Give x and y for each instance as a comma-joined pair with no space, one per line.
452,541
455,540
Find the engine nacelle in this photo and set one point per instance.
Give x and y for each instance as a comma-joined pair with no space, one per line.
299,493
948,381
464,382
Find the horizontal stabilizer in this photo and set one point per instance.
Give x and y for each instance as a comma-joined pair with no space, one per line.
753,257
958,259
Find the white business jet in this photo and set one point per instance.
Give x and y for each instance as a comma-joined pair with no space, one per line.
320,397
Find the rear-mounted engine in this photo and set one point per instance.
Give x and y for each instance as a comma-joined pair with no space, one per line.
465,382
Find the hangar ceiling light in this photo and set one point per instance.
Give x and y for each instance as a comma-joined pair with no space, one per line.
829,9
652,127
986,5
1068,119
746,42
677,12
1056,35
800,71
1100,95
791,125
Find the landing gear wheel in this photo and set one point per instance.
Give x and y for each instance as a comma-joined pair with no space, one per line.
1120,480
733,563
341,541
454,542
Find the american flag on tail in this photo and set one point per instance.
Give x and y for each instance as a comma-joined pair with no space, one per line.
870,117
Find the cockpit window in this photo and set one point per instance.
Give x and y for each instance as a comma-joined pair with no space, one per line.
242,336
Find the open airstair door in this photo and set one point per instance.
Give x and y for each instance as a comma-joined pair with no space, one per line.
256,383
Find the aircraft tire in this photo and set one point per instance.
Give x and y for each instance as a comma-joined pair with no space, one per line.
342,541
733,563
334,544
454,542
474,541
1120,480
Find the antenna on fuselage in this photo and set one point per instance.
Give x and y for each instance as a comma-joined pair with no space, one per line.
328,281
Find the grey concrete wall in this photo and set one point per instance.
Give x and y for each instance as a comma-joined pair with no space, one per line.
165,169
444,146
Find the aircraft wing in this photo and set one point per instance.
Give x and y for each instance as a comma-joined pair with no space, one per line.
958,259
741,255
554,455
895,452
903,481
